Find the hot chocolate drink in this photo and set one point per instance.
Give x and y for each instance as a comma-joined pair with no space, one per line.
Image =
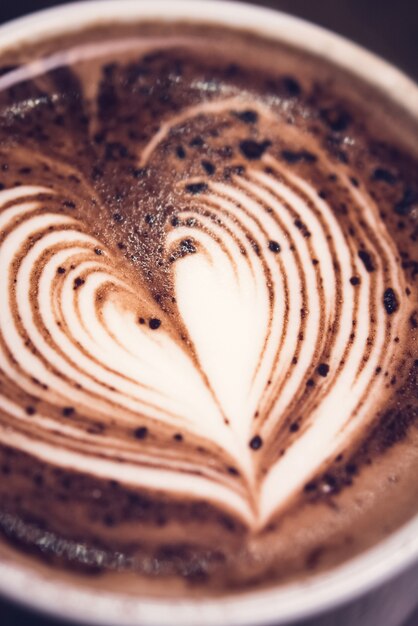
208,320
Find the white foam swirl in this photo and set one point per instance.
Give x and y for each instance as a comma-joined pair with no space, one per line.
258,320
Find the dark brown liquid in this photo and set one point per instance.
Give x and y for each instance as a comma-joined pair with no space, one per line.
82,131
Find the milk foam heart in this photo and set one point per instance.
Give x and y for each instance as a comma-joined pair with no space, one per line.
240,303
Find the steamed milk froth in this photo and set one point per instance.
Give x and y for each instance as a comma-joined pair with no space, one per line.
208,319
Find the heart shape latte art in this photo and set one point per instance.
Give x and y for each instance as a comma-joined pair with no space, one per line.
261,278
200,298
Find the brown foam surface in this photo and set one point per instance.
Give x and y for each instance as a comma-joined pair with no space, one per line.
149,130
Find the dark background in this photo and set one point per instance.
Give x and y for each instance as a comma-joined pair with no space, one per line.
388,27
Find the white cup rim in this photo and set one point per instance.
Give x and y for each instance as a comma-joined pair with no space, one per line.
275,606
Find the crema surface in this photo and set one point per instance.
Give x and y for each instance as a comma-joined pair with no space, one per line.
208,310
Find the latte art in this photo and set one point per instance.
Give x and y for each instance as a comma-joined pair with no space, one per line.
203,304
